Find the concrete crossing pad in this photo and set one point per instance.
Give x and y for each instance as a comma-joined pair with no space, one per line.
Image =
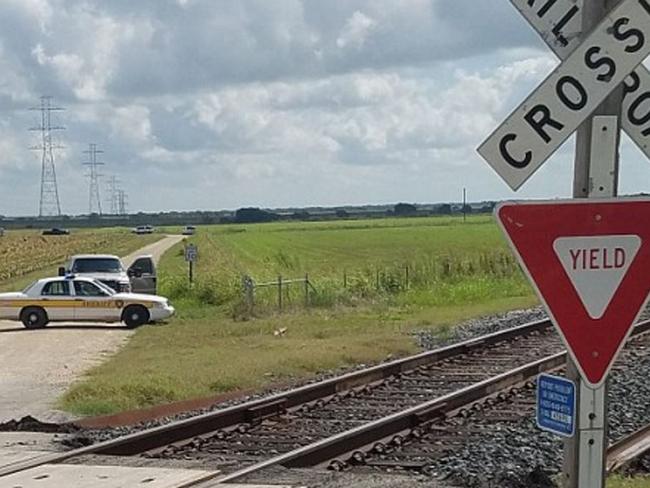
78,476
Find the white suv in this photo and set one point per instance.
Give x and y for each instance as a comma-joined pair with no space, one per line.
108,269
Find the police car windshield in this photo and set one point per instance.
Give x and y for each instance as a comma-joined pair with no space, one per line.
104,287
26,290
97,265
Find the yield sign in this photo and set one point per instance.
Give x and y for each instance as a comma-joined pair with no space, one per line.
590,265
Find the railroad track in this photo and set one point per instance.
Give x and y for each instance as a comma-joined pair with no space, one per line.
337,422
434,444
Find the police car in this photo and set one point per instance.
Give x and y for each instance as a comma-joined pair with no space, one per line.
78,299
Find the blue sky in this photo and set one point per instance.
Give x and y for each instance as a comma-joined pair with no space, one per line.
212,104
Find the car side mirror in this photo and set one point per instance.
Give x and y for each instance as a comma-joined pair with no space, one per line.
61,271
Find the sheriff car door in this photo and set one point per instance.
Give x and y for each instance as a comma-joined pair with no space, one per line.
94,304
57,300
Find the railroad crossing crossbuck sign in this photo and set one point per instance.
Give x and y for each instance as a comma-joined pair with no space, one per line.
589,262
593,68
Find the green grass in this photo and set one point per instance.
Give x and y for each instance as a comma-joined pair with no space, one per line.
623,482
456,272
198,356
434,260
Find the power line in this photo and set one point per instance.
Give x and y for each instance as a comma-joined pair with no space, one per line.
93,175
49,203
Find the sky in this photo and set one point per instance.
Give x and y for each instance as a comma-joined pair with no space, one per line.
221,104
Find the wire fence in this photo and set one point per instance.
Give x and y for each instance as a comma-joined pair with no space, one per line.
350,286
282,288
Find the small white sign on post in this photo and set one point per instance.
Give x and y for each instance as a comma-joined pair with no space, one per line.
191,253
535,130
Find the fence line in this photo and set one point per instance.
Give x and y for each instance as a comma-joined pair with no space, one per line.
250,286
390,279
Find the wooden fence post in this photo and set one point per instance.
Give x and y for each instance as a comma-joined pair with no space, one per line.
306,290
249,292
280,292
406,275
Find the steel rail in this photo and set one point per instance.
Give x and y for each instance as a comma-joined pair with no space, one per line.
355,439
629,448
255,410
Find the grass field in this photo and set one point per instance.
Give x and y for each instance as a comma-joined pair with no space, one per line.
621,482
456,271
28,255
433,261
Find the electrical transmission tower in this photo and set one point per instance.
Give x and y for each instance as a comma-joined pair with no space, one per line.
122,201
49,201
113,195
94,202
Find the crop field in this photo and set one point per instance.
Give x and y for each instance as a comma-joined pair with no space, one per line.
413,261
25,254
364,305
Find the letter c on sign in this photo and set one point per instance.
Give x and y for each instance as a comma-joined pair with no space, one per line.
515,163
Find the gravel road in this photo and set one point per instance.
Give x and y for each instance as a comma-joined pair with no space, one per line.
36,366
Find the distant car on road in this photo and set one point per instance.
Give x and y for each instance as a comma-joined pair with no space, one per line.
189,230
143,229
56,231
76,299
140,277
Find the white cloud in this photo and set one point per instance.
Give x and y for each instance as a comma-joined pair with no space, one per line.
132,124
242,102
356,30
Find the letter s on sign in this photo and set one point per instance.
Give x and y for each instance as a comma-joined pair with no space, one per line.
515,163
597,63
621,35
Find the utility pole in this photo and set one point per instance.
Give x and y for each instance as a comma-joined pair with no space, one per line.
595,175
113,187
93,191
49,203
122,202
464,204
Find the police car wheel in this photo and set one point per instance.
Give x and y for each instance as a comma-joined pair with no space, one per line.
34,318
135,316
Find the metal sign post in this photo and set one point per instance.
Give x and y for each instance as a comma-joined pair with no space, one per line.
599,83
595,175
191,254
584,462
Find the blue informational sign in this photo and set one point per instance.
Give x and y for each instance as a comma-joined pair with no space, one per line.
556,405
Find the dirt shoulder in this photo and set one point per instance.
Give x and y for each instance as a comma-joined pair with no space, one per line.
39,365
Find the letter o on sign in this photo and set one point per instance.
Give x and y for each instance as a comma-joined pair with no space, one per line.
567,97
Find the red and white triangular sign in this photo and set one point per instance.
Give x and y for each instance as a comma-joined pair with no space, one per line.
590,264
